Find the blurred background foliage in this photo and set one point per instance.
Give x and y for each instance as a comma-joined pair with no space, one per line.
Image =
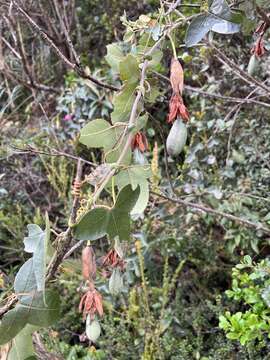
181,263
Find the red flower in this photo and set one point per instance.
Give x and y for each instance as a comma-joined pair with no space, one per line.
259,49
139,142
177,108
91,303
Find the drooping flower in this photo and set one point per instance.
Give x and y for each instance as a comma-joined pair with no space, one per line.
140,142
88,263
113,260
176,76
177,109
91,303
259,48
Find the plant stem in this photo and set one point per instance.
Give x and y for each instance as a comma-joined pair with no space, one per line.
173,46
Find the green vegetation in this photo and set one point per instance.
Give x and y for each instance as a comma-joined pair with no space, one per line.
122,238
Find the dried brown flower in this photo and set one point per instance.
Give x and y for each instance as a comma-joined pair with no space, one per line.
176,76
91,303
89,268
113,260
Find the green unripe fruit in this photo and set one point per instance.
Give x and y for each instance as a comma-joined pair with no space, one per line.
92,329
177,138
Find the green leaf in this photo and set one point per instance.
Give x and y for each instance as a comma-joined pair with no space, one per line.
114,56
31,309
122,103
198,28
141,123
22,345
134,175
100,134
93,225
25,280
11,324
143,199
39,311
224,323
119,220
203,23
129,69
36,243
114,222
112,153
96,134
221,9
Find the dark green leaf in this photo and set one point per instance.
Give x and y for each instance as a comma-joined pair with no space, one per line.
11,324
22,345
203,23
114,222
93,225
119,220
40,312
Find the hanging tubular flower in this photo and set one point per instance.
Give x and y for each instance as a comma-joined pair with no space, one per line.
176,76
91,303
177,109
89,268
140,142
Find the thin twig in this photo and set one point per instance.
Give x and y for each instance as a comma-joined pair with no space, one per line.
54,152
74,247
237,70
76,67
65,238
201,207
218,96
